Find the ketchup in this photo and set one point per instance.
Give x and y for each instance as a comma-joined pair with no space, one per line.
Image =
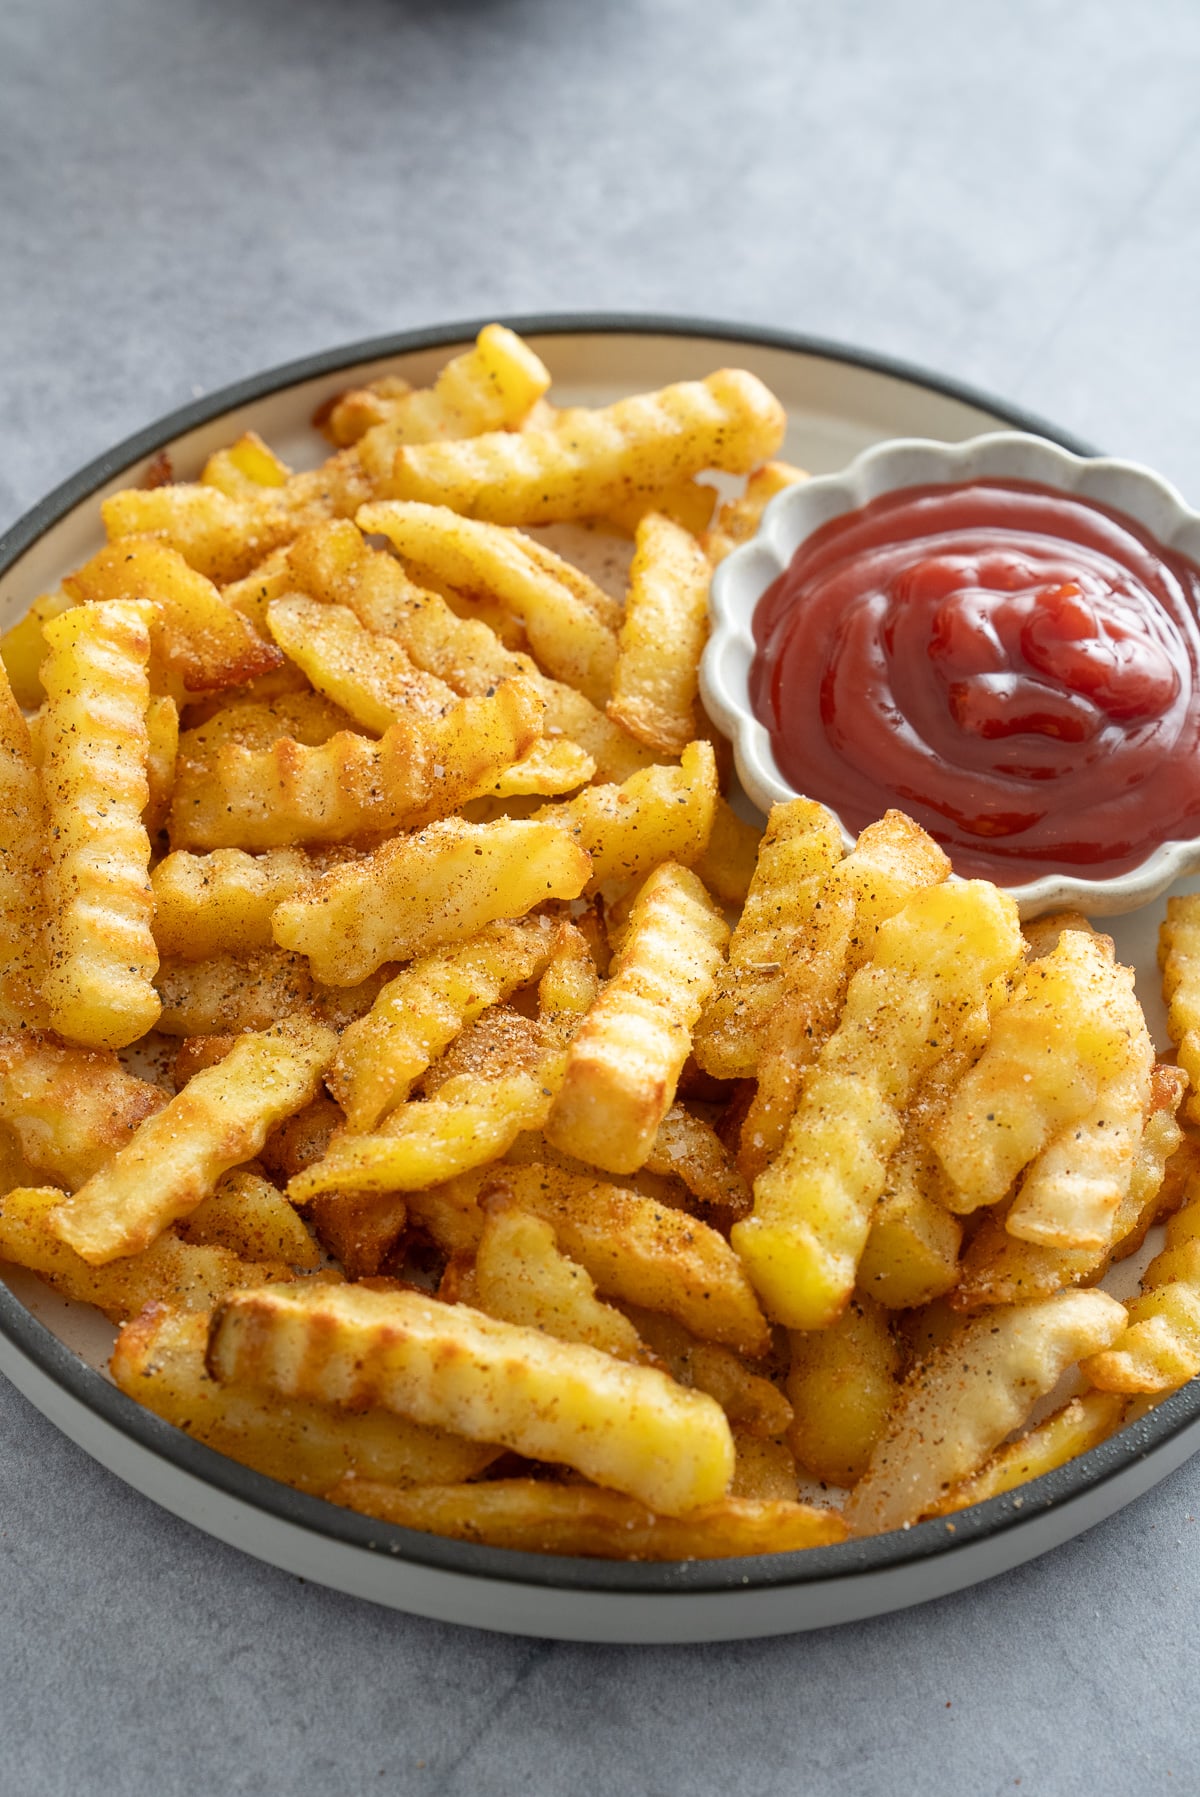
1015,667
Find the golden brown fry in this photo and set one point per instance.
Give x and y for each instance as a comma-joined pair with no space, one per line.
228,993
22,855
493,386
1081,1424
370,676
764,1471
444,1365
655,679
753,1405
417,893
739,519
362,1230
23,648
250,1217
223,903
687,1146
658,814
967,1396
533,1517
728,862
1179,958
688,503
70,1109
221,1118
1159,1349
842,1386
159,1360
522,1277
162,749
100,951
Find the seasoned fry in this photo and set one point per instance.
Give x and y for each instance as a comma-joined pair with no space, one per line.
162,749
522,1277
208,905
842,1386
420,892
655,680
625,1060
801,844
250,1217
447,1366
739,519
227,993
492,386
362,1230
369,676
688,503
22,853
753,1405
70,1109
102,959
1160,1347
731,856
220,1119
23,647
961,1403
1179,958
590,463
933,963
529,1515
659,814
687,1146
1081,1424
159,1360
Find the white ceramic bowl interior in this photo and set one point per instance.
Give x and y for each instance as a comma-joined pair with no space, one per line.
744,576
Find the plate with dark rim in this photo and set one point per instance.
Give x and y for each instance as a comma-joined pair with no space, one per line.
839,401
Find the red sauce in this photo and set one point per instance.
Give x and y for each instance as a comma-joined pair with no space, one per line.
1016,668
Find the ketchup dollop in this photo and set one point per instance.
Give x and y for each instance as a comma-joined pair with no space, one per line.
1015,667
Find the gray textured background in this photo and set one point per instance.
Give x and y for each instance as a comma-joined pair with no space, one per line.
189,192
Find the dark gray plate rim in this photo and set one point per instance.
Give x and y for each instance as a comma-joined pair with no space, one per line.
812,1567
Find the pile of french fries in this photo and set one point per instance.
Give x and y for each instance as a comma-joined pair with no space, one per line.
463,1115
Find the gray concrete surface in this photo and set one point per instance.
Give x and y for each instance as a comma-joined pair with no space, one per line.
189,192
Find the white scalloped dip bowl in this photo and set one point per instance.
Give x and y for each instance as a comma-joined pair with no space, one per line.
744,576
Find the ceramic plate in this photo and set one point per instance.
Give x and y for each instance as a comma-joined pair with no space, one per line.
839,401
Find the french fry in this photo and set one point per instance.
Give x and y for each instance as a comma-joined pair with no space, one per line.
162,749
753,1404
687,1146
764,1471
23,647
1081,1424
1159,1349
655,679
100,950
254,593
688,503
371,677
522,1277
421,892
447,1366
181,1274
333,564
1179,958
967,1396
257,724
201,640
360,1229
802,843
658,814
624,1062
493,386
571,624
226,993
933,963
348,416
159,1360
589,463
222,903
245,467
533,1517
70,1109
418,1014
22,855
842,1386
553,766
739,519
892,860
730,857
1068,1028
173,1162
301,1138
250,1217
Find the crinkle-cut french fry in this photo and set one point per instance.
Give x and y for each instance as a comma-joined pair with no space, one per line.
335,565
997,1268
1042,933
445,1365
253,594
728,863
1160,1348
14,1168
1179,958
522,1277
159,1360
658,814
22,856
245,467
419,1013
688,503
23,647
198,636
181,1274
352,786
162,749
551,767
362,1230
932,965
624,1061
256,724
1081,1424
420,892
69,1108
225,993
1073,1190
493,386
535,1517
688,1146
223,903
800,846
590,462
370,676
101,956
637,1250
739,519
195,1053
250,1217
301,1139
764,1471
570,623
753,1404
842,1386
220,1119
655,680
1061,1037
967,1396
892,860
